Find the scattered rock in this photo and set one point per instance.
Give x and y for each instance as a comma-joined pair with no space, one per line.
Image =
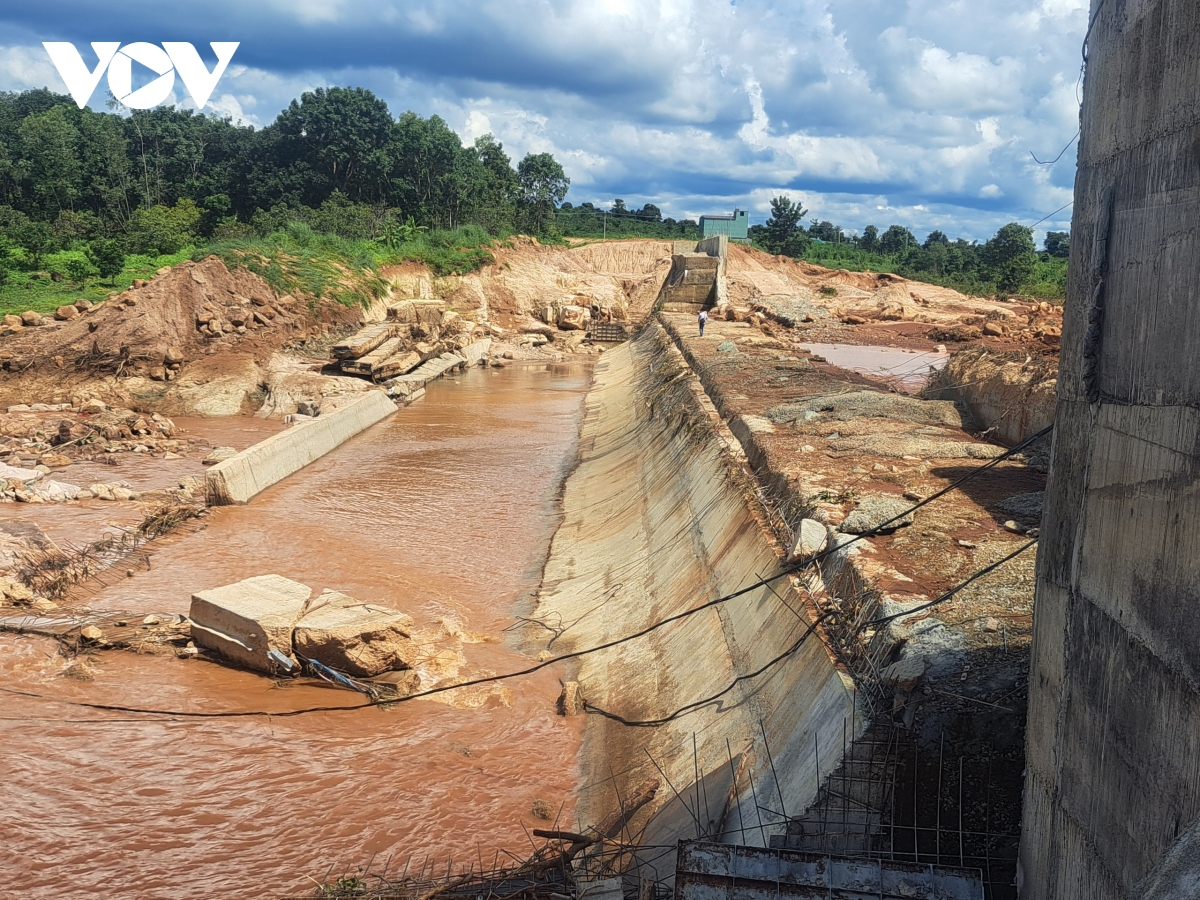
66,313
1025,506
573,318
31,318
308,408
991,625
16,591
13,321
966,545
993,329
83,304
92,406
542,810
91,634
872,512
1014,527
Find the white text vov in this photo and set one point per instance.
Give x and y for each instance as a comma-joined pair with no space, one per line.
173,57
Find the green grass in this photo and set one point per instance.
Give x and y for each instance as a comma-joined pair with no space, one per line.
454,252
39,292
298,259
1048,282
295,259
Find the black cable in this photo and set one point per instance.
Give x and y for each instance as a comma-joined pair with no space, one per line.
683,710
1050,162
1057,211
576,654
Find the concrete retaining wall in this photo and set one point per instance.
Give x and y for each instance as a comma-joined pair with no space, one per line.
1113,756
256,468
655,523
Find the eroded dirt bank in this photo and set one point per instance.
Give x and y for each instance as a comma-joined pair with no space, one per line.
444,511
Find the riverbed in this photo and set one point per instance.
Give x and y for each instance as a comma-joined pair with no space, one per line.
444,511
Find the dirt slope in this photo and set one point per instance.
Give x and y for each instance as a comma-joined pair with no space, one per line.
192,324
624,276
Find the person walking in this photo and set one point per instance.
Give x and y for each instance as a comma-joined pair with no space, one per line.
702,318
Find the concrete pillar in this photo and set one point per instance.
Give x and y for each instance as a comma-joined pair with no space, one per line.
1113,761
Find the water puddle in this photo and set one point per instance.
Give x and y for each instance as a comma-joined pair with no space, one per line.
444,511
908,370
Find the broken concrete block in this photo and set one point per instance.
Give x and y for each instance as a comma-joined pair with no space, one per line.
357,638
362,342
219,454
250,623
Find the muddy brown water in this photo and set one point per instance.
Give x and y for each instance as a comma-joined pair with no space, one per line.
445,511
907,370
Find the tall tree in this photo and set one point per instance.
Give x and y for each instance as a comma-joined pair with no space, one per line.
50,165
783,234
1011,256
543,185
334,139
1058,243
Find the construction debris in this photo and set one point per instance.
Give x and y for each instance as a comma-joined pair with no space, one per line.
268,623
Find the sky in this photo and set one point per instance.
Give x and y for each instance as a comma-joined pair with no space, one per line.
924,113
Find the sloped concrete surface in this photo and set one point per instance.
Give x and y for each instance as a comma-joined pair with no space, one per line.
654,524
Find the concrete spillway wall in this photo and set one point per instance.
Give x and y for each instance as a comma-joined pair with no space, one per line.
256,468
656,522
1112,794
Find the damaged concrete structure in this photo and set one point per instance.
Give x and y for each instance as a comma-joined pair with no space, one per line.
250,623
242,476
1112,795
271,624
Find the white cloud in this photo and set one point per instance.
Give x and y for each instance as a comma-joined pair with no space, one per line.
918,109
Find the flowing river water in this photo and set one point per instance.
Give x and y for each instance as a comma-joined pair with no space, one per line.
445,511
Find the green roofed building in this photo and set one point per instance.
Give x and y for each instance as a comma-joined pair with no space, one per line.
733,226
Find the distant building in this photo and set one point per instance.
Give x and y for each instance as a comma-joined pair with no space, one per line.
734,226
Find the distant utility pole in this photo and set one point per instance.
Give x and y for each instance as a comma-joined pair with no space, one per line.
606,223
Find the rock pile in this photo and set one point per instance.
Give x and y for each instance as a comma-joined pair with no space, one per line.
416,331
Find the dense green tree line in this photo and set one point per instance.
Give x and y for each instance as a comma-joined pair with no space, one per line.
589,220
158,180
1008,263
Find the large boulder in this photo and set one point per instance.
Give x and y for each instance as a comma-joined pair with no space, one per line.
574,318
811,538
357,638
250,623
878,511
